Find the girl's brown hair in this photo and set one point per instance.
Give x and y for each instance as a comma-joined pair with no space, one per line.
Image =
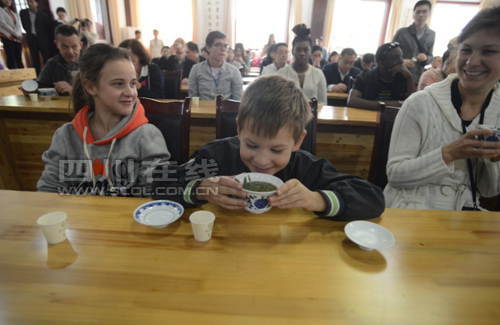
138,49
91,63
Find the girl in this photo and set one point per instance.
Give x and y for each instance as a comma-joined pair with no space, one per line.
109,147
310,79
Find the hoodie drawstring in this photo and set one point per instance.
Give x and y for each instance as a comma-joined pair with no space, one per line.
106,165
87,154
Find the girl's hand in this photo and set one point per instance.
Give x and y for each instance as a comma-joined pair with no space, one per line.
218,189
293,194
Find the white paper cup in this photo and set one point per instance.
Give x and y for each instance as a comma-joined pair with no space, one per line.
53,226
195,101
34,97
202,223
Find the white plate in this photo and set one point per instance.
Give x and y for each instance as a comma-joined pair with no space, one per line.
369,235
158,214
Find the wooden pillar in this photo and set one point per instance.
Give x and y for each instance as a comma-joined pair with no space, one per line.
318,18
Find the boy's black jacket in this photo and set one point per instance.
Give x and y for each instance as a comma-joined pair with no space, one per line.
358,198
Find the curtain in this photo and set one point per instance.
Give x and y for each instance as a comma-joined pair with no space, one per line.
489,3
196,24
134,13
229,22
327,32
80,9
114,20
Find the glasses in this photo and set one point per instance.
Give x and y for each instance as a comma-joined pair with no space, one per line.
221,45
388,47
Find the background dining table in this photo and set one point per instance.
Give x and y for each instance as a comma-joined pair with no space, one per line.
281,267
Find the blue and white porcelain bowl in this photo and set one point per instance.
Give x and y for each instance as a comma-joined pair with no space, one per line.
257,202
158,214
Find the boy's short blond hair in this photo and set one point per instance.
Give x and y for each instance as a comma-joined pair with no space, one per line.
270,103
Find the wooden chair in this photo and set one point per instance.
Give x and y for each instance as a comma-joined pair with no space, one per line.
378,175
172,84
173,118
225,117
10,80
309,143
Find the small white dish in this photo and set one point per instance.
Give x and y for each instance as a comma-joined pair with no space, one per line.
29,85
47,93
257,202
158,214
369,235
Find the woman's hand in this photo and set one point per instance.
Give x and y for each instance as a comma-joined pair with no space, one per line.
293,194
218,189
468,146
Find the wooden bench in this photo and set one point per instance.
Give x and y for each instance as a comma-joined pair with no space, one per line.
10,80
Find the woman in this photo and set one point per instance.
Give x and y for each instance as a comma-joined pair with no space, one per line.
150,82
437,74
436,158
11,34
310,79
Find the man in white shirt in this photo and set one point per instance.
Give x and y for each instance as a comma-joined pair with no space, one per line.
279,54
155,45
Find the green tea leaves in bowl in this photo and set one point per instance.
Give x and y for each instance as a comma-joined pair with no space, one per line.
256,186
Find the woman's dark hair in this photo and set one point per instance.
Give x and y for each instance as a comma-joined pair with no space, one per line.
138,49
212,36
301,34
368,58
486,19
60,9
445,57
192,46
91,63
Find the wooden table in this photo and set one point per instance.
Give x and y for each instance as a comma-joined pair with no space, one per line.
282,267
20,103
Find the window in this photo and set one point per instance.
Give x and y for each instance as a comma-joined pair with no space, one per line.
448,19
172,18
256,19
359,24
21,4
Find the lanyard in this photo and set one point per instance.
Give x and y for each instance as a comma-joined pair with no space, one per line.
457,102
216,80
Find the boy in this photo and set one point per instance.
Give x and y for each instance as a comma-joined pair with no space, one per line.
271,120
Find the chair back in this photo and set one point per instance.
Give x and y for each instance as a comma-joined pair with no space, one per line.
173,118
378,175
172,84
225,117
309,143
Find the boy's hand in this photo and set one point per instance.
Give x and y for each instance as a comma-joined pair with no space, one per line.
293,194
217,190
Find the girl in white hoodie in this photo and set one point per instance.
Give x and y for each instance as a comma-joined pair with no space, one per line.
437,159
109,147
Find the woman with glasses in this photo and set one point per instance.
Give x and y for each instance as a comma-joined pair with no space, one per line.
215,76
388,84
310,79
439,157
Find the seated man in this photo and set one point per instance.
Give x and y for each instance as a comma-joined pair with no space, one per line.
175,61
366,62
192,57
60,70
279,54
339,74
271,127
214,77
388,84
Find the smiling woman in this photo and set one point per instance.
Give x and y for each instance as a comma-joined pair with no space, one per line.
436,158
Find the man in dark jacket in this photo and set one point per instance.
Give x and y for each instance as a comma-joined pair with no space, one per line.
417,40
39,27
61,69
340,75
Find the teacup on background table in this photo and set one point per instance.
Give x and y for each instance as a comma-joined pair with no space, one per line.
257,198
47,93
